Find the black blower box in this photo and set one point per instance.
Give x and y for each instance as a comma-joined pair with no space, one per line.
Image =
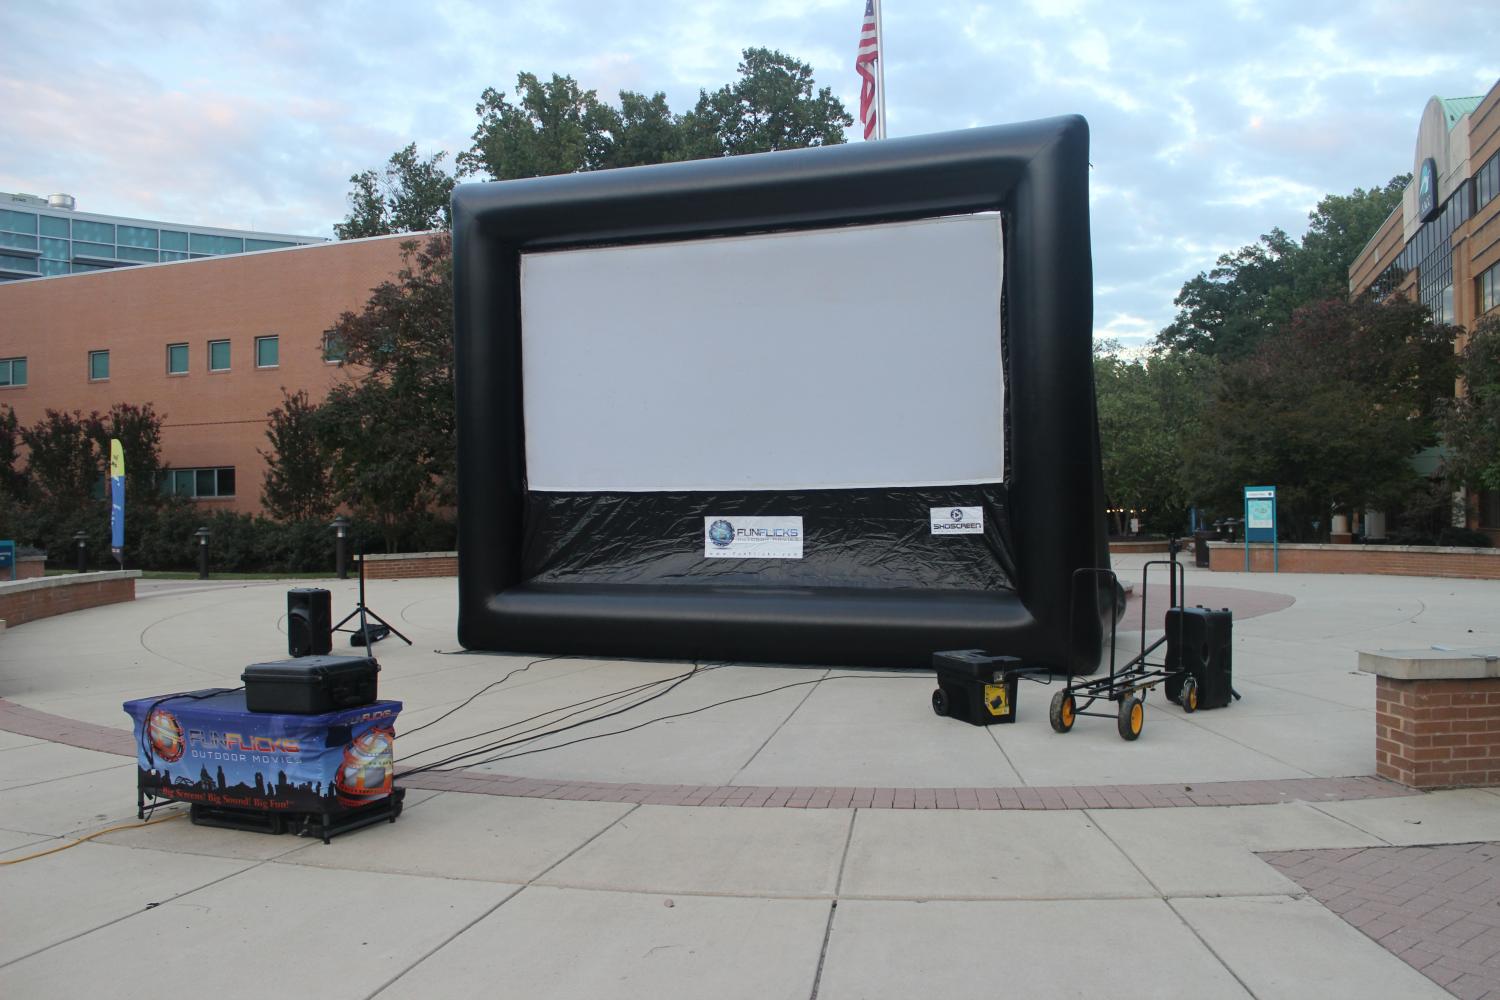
310,685
976,687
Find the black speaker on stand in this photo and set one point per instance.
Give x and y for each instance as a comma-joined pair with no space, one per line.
309,622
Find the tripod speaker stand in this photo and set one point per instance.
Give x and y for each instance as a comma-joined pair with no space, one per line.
365,635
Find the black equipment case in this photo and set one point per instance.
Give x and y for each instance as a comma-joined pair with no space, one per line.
976,687
310,685
1200,642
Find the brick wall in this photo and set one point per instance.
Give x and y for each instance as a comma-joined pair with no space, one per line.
1438,733
1381,560
26,602
1126,548
408,565
31,567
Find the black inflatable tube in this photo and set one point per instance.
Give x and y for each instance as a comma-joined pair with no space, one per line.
1035,173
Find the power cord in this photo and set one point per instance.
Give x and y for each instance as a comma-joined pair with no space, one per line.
521,738
579,707
476,694
97,833
507,745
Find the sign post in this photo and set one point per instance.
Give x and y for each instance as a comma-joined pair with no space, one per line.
1260,522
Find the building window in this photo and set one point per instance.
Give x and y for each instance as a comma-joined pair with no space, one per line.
1487,290
207,245
218,355
267,352
174,241
54,226
17,222
333,348
98,366
177,359
95,232
12,372
198,483
1487,182
137,236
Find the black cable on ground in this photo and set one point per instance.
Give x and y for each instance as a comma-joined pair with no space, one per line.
672,684
476,694
676,715
578,707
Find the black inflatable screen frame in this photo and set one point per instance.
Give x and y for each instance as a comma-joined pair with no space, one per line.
1035,174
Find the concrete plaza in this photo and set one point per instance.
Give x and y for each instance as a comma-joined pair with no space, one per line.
832,838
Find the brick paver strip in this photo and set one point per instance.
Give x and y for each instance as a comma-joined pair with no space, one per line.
25,721
1435,908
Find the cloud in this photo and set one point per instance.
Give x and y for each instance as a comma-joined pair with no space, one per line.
1210,124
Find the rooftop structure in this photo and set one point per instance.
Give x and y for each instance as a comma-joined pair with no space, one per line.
44,237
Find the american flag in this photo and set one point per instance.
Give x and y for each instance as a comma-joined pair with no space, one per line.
867,65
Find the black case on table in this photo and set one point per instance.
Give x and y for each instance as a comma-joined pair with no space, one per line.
310,685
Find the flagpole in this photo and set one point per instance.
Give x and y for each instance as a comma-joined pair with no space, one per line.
880,78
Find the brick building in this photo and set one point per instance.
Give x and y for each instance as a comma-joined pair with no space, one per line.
1441,246
209,342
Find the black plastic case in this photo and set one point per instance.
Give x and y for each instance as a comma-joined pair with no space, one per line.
310,685
976,687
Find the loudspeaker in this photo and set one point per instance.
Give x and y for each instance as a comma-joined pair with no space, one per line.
309,622
1200,641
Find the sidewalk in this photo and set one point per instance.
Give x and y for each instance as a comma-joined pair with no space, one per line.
1015,860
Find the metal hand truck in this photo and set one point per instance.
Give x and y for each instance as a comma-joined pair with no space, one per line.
1126,685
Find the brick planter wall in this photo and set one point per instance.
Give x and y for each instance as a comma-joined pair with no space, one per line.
28,600
407,565
1381,560
31,567
1438,733
1153,545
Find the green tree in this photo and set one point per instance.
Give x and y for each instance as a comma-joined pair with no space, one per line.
12,480
410,195
1338,230
1227,311
645,130
63,462
1143,405
553,127
771,106
389,429
1472,420
298,485
1331,408
556,127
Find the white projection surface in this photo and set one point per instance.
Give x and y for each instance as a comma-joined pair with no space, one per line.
866,356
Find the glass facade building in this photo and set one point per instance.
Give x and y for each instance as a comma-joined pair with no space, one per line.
41,237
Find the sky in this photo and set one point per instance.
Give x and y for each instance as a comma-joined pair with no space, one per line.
1210,122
